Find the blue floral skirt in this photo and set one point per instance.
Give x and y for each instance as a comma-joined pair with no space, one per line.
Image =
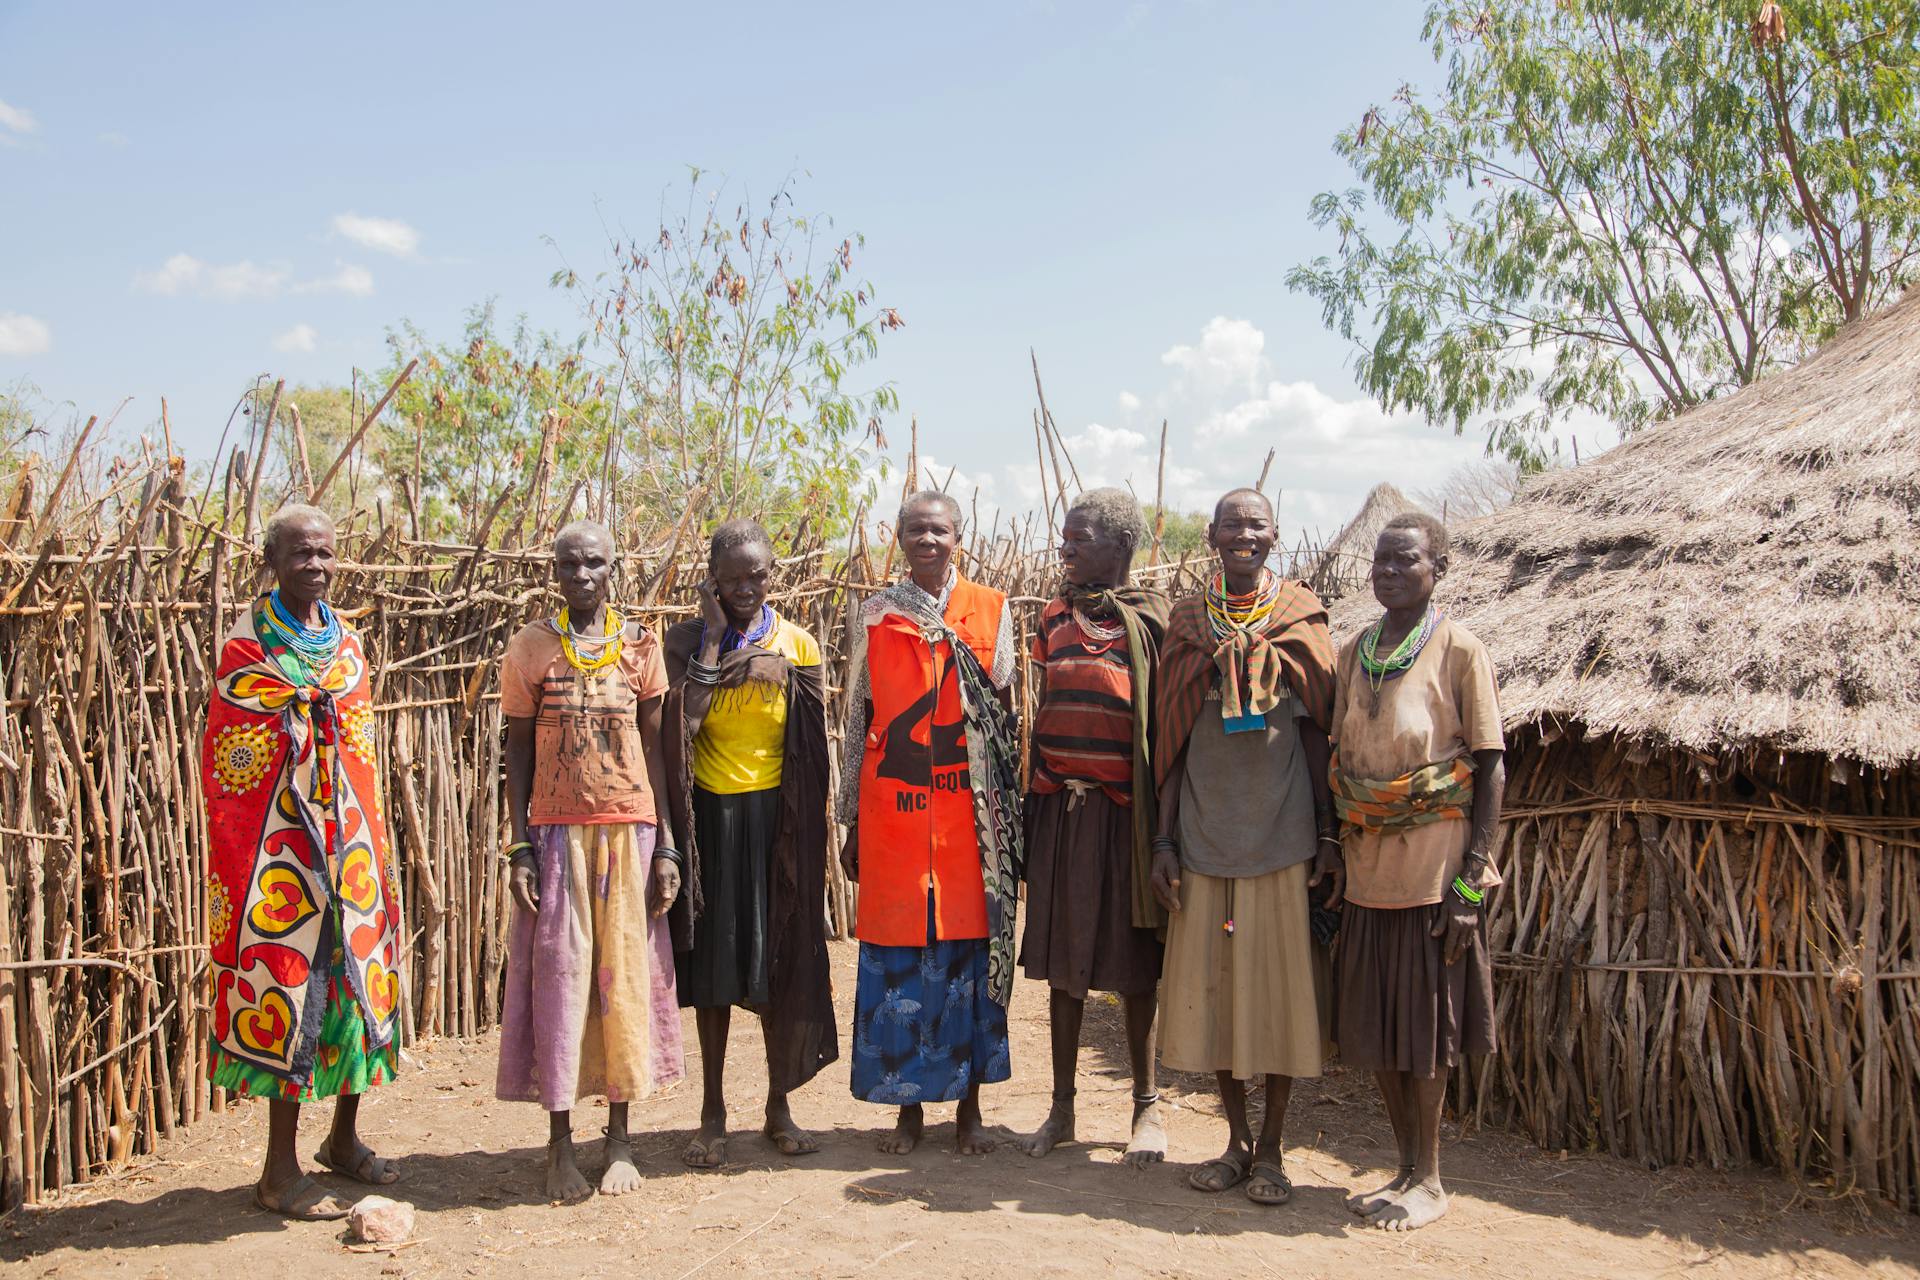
925,1028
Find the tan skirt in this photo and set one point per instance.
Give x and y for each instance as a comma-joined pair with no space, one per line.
1255,1002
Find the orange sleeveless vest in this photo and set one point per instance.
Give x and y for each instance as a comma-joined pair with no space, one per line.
916,802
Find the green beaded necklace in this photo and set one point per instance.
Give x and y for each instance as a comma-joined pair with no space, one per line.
1380,670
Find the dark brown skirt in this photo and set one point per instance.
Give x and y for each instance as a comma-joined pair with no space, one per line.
1080,935
1401,1007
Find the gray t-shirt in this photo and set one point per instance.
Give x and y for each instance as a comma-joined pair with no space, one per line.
1246,805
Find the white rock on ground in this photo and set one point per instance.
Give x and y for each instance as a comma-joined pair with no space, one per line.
378,1220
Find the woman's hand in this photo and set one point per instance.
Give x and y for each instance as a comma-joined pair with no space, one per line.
1330,865
711,611
524,884
1459,925
1165,880
663,887
850,853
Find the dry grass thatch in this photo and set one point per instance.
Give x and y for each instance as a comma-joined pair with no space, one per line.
1747,575
1345,565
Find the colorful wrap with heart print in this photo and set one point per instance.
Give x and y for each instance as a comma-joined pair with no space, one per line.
298,864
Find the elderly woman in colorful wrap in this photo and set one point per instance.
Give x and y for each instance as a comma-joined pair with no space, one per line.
746,736
1092,920
930,793
1246,695
301,899
1418,775
589,1003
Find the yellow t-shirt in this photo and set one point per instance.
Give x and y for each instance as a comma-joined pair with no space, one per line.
743,741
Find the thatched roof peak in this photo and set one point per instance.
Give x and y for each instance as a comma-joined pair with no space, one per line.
1345,562
1747,575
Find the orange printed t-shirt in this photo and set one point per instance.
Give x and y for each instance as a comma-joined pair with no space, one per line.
587,762
917,832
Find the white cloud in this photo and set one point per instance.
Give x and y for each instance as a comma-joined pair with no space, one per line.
184,273
1231,355
1226,406
113,138
347,278
383,235
299,338
236,281
23,335
17,119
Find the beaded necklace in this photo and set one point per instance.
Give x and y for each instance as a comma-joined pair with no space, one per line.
1380,670
304,653
609,643
1228,613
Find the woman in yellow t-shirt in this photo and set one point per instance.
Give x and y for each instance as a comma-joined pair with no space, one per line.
749,792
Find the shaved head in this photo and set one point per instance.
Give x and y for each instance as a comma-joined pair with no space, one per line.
295,515
585,531
1235,494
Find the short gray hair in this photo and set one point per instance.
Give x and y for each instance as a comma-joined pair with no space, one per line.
286,517
581,529
923,498
1114,512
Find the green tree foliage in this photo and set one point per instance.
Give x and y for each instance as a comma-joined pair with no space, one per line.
732,339
1623,207
718,372
1184,531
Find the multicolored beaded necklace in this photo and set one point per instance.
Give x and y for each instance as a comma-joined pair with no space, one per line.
304,653
609,644
1228,613
1396,664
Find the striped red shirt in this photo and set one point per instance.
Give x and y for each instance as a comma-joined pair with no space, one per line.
1083,730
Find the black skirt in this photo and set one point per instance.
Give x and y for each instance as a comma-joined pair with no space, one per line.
1079,934
1401,1006
728,964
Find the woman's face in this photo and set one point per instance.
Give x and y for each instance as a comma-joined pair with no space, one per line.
302,560
1090,556
1242,534
1404,569
929,534
583,569
742,575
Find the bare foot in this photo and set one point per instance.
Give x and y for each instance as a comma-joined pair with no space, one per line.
564,1182
969,1132
906,1132
1056,1130
622,1175
1371,1202
784,1134
1149,1142
1419,1204
708,1148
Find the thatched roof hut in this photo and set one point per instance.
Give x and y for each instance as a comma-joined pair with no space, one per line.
1706,641
1747,575
1346,562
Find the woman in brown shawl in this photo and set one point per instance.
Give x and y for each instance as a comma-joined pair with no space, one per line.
1246,830
748,779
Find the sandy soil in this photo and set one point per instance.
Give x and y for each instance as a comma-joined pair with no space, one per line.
472,1167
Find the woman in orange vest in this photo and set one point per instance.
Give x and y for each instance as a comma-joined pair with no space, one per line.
930,789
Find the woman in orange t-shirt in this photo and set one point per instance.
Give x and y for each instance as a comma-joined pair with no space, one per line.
589,1006
930,793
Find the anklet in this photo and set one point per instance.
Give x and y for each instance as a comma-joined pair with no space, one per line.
1065,1095
1146,1101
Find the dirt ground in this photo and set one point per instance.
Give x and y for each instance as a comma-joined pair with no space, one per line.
472,1168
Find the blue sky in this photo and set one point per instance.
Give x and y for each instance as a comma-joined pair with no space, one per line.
195,195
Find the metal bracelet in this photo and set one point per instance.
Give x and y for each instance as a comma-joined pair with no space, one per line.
671,854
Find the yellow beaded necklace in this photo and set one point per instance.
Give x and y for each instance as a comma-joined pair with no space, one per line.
610,645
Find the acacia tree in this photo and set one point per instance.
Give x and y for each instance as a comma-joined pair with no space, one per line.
1623,207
